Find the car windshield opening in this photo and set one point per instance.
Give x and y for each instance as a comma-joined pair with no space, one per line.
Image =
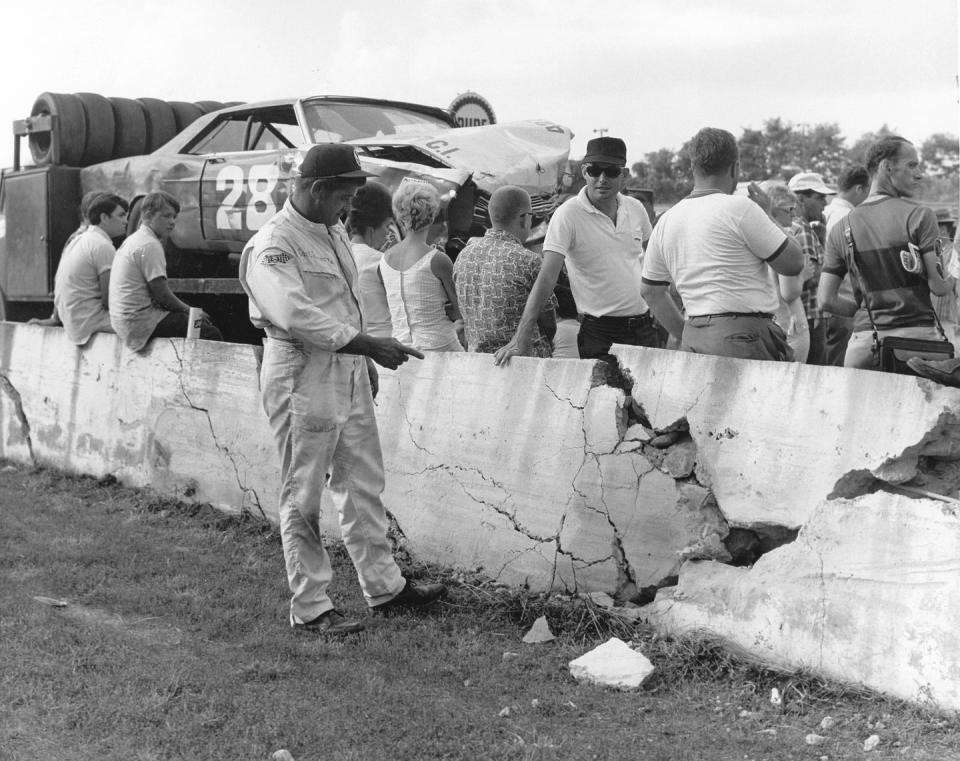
337,122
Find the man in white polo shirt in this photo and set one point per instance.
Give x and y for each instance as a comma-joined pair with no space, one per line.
599,235
717,249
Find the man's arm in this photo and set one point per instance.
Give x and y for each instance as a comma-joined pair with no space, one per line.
788,259
547,322
829,298
542,288
164,298
663,307
105,289
52,321
939,285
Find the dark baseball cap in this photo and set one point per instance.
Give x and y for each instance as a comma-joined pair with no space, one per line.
606,150
330,160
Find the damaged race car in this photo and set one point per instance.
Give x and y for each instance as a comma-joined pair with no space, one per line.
229,170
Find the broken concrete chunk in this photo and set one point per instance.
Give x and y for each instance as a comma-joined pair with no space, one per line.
539,632
681,459
612,664
637,432
664,440
602,599
871,742
604,421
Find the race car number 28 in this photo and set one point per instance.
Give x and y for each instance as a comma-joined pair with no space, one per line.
260,182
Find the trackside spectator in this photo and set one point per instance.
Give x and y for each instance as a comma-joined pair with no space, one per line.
853,187
142,306
418,278
493,276
812,193
790,316
82,283
369,221
896,255
600,235
715,248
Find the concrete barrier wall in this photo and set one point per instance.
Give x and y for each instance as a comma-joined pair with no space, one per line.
537,474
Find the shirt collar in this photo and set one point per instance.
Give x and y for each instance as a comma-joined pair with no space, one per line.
587,204
502,235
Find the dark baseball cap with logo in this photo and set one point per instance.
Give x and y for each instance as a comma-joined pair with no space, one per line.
606,150
331,160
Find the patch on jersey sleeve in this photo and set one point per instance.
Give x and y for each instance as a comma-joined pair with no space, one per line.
280,257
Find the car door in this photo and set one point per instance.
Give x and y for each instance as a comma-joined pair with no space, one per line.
239,192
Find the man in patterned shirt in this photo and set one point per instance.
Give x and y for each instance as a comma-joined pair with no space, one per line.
812,193
494,275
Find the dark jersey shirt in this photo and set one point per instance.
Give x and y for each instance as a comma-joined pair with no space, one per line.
882,228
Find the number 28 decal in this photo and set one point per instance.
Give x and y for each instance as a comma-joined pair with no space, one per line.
260,182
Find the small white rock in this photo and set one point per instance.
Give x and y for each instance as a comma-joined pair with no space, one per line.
813,739
508,656
281,755
539,632
602,599
466,682
612,664
775,698
827,723
871,742
504,712
745,714
535,703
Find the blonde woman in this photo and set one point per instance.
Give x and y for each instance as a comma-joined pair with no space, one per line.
418,279
791,316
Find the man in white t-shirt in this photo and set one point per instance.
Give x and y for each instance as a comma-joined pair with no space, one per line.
716,249
142,306
600,235
81,286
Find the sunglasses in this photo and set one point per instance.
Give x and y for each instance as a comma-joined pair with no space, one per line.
610,172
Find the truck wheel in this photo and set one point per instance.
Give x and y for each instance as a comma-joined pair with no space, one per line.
208,105
130,135
184,114
70,133
100,128
161,126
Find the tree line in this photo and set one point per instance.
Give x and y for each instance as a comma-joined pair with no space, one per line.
781,149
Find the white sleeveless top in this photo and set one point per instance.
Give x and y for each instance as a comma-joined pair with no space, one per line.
416,298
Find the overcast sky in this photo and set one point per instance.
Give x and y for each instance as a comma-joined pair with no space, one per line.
650,71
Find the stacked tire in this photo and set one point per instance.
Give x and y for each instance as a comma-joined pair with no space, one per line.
91,129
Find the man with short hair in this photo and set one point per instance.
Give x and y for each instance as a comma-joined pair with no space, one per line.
317,382
494,275
715,248
82,283
897,264
599,235
142,306
853,187
812,193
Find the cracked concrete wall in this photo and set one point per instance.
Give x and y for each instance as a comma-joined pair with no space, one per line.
528,473
774,439
869,593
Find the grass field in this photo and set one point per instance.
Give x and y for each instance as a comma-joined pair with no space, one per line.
174,644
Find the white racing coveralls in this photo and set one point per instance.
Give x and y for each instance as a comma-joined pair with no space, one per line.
302,282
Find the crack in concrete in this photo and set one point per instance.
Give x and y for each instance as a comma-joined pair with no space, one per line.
223,449
567,400
17,401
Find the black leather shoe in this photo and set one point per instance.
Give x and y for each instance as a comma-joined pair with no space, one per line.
331,622
412,596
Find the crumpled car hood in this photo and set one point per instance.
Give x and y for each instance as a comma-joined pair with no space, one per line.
529,153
